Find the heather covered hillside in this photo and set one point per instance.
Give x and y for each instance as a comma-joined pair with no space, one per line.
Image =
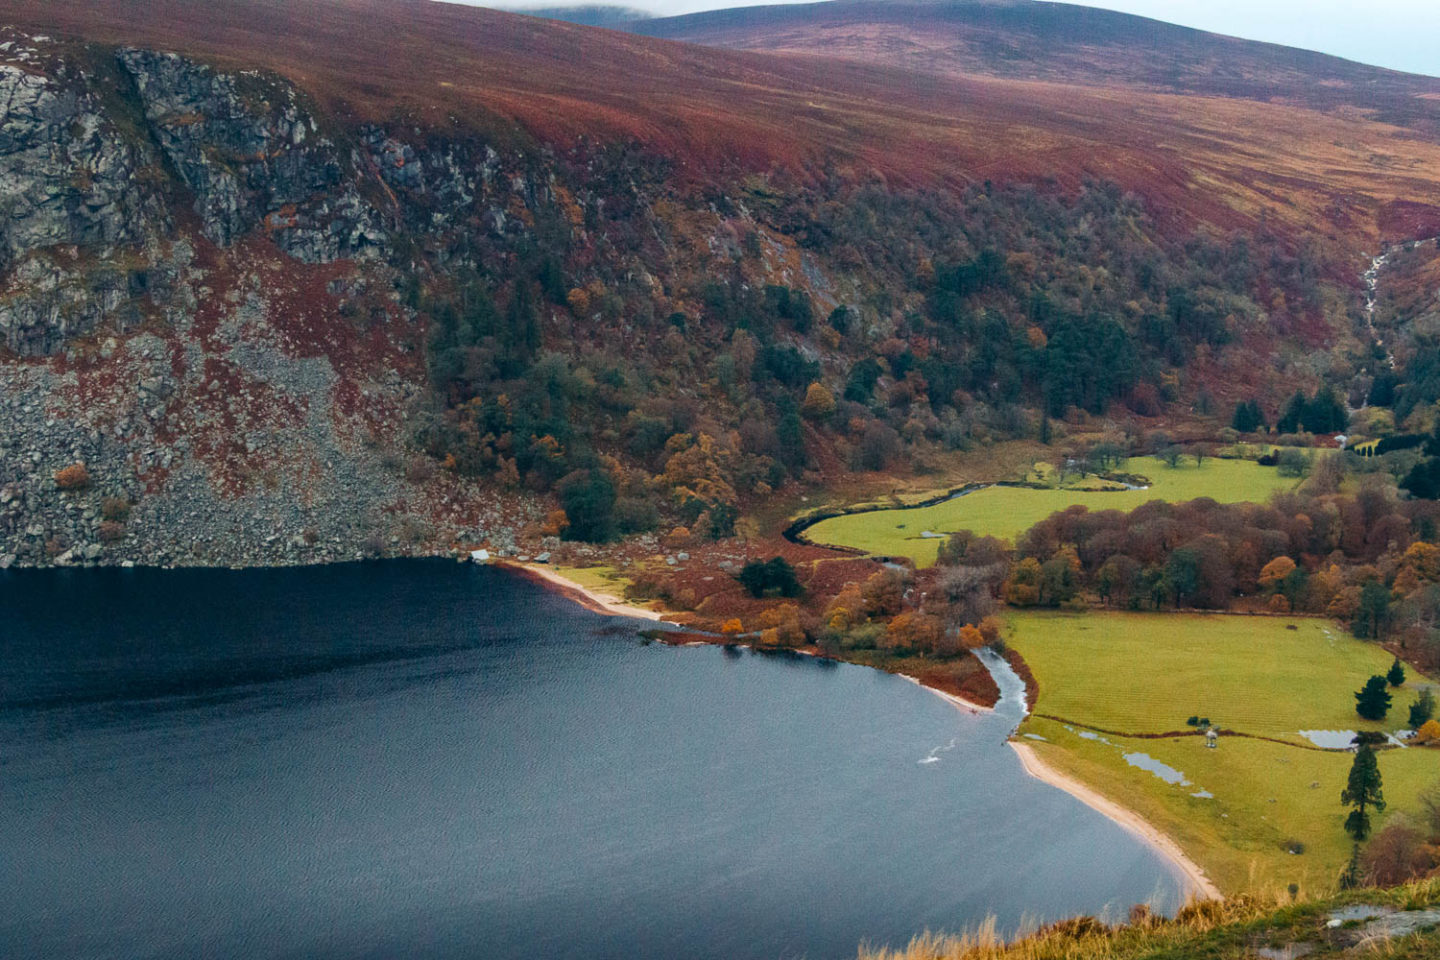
286,292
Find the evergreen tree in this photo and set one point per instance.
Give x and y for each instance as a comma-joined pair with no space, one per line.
1373,701
1369,622
1396,674
1422,709
1248,418
1289,421
1361,791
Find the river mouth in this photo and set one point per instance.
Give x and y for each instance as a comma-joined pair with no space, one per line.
425,759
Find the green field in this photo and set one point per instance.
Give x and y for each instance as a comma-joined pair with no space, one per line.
1139,673
1009,511
1146,673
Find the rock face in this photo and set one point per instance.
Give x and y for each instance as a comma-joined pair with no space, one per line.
236,383
252,156
68,182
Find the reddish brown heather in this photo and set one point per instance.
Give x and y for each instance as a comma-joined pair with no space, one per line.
1223,161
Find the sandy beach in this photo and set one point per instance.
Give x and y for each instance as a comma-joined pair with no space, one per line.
1198,884
592,600
954,698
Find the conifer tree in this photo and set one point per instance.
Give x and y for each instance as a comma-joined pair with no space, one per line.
1373,701
1361,791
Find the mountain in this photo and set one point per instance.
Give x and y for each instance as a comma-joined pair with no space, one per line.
295,280
1199,157
1061,43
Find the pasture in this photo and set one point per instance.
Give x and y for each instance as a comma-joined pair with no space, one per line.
1007,512
1256,814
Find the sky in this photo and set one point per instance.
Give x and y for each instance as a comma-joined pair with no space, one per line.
1401,34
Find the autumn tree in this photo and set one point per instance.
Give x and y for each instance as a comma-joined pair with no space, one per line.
912,630
883,593
780,626
819,402
1022,589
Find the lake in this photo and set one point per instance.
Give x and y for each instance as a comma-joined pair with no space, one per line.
434,760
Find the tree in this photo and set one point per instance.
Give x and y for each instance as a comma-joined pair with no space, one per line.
1396,674
1289,421
1248,417
1422,710
1273,574
1292,462
1363,790
1373,612
1373,701
759,577
819,402
588,497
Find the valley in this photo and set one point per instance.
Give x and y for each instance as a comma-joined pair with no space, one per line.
987,345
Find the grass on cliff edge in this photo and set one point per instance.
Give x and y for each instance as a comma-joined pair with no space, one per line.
1228,930
1273,815
1009,511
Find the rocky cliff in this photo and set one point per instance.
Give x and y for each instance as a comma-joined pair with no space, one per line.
205,359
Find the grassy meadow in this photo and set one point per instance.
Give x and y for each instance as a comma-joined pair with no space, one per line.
1009,511
1273,815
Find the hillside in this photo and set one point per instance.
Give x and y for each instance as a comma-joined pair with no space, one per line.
303,280
1059,42
717,111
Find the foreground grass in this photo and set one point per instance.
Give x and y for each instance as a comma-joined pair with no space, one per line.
1229,930
1009,511
1256,815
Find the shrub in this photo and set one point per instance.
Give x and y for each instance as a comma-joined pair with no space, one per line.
760,577
115,509
1292,462
111,532
73,477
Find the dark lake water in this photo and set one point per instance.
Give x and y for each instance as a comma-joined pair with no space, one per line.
422,759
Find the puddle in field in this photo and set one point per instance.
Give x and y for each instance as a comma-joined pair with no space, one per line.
1162,770
1330,739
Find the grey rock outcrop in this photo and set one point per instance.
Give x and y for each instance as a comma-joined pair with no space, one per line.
69,202
253,157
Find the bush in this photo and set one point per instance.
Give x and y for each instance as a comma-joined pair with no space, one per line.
73,477
760,577
111,532
1292,462
115,509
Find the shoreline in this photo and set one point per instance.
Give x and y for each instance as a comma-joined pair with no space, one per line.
1197,883
954,699
592,600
